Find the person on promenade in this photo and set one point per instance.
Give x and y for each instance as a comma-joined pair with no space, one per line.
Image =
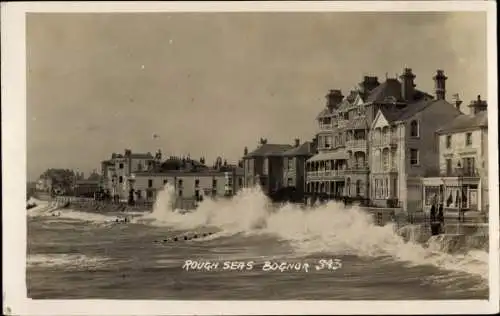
434,224
440,218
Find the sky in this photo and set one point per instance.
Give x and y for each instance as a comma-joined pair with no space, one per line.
210,84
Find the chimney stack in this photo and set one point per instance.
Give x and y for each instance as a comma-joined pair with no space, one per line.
407,84
478,105
458,102
245,151
297,142
368,84
440,85
333,98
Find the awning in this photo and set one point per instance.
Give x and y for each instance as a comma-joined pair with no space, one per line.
329,156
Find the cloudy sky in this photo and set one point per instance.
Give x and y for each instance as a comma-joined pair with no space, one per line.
212,83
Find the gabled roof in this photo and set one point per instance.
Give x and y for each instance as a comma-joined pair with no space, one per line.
303,150
393,115
413,108
265,150
325,113
465,122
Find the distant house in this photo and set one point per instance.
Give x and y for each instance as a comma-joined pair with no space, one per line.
86,188
191,180
294,164
264,166
118,169
461,181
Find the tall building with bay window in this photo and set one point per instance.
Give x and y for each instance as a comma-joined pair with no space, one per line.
365,143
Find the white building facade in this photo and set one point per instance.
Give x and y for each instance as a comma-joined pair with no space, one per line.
462,181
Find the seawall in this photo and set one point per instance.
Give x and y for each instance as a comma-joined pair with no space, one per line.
470,232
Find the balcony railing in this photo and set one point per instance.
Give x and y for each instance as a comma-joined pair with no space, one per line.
358,167
326,127
357,143
385,140
459,172
321,174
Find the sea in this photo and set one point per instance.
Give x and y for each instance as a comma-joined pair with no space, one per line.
244,248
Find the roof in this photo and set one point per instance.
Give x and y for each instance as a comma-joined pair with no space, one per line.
329,155
325,113
390,88
357,123
141,156
464,122
392,115
344,105
303,150
269,150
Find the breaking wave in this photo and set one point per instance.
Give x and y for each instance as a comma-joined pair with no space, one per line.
71,262
328,228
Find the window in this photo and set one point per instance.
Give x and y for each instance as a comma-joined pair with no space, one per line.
165,182
448,141
120,179
197,194
468,139
196,183
139,167
328,142
214,183
265,166
149,194
121,166
414,129
240,182
180,193
150,183
469,166
448,166
290,163
230,181
180,183
414,157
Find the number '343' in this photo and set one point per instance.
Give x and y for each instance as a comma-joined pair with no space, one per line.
329,264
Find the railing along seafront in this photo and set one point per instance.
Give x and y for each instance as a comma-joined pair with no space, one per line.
102,205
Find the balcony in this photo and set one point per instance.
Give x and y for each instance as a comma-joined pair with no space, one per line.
325,175
384,141
357,144
357,168
460,172
326,127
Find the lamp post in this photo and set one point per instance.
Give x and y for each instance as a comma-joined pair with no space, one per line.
131,181
113,181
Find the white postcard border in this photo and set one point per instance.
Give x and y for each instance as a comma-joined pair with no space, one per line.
14,170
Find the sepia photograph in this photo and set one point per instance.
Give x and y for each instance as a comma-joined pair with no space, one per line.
335,154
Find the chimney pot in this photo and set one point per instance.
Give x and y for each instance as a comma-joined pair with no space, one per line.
407,84
297,142
440,84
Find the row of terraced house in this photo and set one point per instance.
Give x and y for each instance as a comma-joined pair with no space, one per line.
387,144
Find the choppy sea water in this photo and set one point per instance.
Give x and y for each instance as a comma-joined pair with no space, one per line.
80,255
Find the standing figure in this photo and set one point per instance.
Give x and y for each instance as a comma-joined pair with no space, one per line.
441,218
